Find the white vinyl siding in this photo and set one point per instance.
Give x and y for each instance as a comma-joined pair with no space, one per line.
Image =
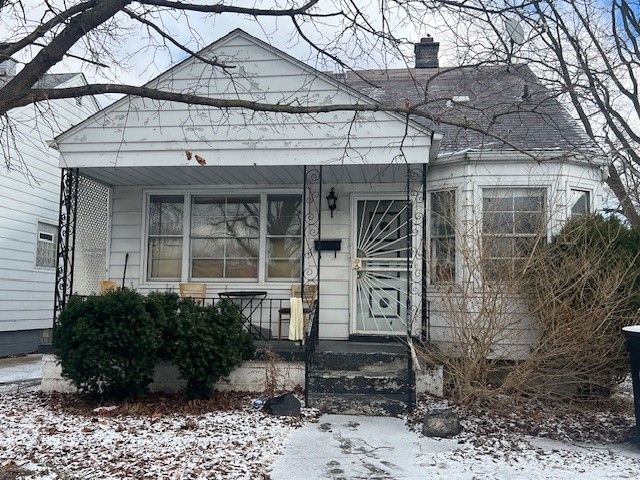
30,195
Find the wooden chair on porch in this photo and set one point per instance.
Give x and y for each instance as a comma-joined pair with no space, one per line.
308,304
195,291
107,286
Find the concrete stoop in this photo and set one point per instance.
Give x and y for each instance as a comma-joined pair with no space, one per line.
370,380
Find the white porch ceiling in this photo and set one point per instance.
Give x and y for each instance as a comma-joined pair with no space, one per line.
242,175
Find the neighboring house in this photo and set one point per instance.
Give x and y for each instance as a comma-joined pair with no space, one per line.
30,190
247,223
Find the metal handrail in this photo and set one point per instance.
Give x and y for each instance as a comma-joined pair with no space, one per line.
260,315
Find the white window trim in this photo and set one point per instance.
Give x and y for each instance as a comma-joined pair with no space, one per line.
188,193
53,224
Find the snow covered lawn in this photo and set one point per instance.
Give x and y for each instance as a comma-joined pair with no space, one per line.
52,437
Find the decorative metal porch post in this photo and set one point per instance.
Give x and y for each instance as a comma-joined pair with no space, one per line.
416,265
66,240
310,258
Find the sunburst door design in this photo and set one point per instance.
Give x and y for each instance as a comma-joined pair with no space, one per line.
380,264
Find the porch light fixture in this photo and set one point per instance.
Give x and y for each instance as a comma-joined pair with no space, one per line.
331,201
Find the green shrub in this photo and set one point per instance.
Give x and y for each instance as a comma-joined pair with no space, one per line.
582,288
107,344
210,343
164,308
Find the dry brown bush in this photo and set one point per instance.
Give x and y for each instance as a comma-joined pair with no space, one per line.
548,327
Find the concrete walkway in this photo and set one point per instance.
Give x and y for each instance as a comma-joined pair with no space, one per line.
355,447
17,372
379,448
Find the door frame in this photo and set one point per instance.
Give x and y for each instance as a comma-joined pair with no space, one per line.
353,247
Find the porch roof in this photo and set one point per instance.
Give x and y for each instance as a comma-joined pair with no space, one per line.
243,175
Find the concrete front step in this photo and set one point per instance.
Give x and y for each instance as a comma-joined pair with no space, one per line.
359,404
332,360
359,381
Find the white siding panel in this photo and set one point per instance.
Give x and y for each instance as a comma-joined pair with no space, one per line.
28,196
146,132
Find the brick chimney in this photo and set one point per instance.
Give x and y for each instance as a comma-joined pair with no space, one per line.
426,53
8,68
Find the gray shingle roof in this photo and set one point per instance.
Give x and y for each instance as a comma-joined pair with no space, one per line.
495,105
50,80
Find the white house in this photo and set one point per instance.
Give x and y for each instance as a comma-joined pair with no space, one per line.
29,214
238,201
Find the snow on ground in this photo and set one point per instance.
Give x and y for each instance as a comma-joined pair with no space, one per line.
53,443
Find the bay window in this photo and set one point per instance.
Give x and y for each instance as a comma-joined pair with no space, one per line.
165,237
284,240
225,237
513,222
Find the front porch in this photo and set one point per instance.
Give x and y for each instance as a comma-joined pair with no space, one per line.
152,235
252,242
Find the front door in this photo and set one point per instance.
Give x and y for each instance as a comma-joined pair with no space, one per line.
379,263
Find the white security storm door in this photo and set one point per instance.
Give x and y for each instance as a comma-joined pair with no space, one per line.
380,251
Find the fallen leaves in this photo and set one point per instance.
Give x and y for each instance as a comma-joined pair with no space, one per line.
162,436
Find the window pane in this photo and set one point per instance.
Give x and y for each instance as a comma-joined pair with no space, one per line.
497,247
243,268
207,248
243,207
220,216
208,206
497,200
213,226
165,214
580,203
442,260
242,247
443,213
284,214
207,268
500,222
528,222
523,246
288,247
243,226
528,202
284,268
165,257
